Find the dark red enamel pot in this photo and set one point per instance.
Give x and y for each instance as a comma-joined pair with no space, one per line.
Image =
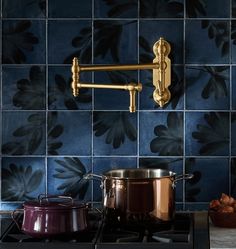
53,216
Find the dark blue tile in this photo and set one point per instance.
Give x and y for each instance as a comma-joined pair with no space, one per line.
233,177
176,89
233,133
207,8
69,8
23,178
69,133
161,133
162,9
115,133
233,8
172,164
211,178
207,88
116,9
115,42
196,206
233,83
23,42
65,176
151,31
24,133
207,41
103,164
106,99
23,8
67,39
60,93
207,133
24,87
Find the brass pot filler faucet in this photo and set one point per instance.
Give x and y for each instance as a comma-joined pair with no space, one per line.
161,68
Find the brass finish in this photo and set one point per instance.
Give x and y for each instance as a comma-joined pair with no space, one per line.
161,67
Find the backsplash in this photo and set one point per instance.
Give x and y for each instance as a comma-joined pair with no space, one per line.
50,139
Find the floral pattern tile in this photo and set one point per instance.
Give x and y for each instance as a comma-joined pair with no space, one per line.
23,178
208,86
65,177
114,133
60,92
207,134
69,9
65,129
211,178
24,133
23,41
24,88
207,41
161,134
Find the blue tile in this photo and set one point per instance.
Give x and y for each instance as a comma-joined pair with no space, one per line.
23,41
206,171
172,164
103,164
68,39
23,178
233,177
233,8
151,31
60,93
24,133
161,9
196,206
208,8
69,133
207,41
65,176
161,133
115,42
115,133
69,8
233,133
11,205
207,133
176,89
106,99
233,83
115,9
208,86
24,88
23,8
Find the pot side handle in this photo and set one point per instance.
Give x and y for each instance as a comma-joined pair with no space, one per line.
182,177
13,216
92,176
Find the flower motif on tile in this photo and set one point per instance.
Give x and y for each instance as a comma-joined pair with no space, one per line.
219,31
71,171
28,137
116,126
157,163
161,8
215,135
169,139
63,90
16,39
31,92
54,132
83,43
216,84
194,8
18,182
119,7
192,191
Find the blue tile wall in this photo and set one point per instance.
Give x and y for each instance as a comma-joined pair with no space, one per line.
49,139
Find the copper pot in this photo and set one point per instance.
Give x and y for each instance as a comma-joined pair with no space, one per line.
52,216
140,193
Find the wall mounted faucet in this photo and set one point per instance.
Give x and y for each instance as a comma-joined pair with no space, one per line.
161,68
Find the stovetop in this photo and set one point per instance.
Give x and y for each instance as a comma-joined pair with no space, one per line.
187,231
